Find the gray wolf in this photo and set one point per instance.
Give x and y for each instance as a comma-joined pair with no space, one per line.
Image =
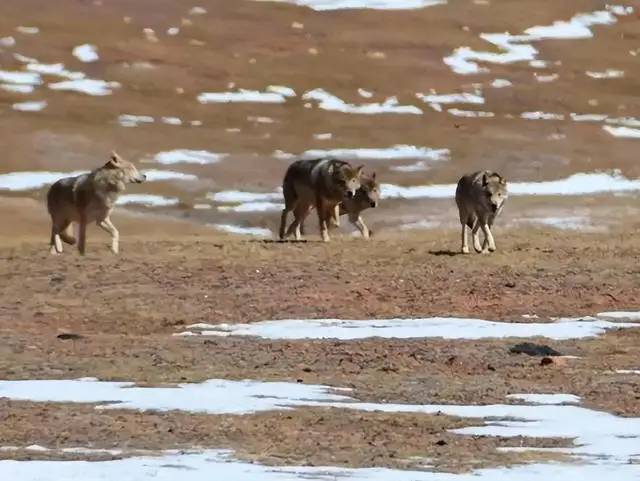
480,198
89,198
367,196
321,183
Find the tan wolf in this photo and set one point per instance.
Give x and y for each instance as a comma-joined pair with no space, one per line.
320,183
367,196
480,198
89,198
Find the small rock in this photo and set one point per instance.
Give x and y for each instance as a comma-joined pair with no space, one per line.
441,442
545,361
66,336
510,284
532,349
490,367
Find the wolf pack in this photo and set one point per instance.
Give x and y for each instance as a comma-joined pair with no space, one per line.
332,187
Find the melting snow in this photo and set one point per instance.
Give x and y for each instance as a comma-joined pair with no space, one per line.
128,120
389,153
327,101
17,181
188,157
242,95
541,116
459,98
252,207
21,78
30,106
87,86
231,196
86,53
548,399
625,132
609,73
17,88
322,5
501,83
56,69
441,327
147,199
28,30
518,48
237,229
471,113
577,184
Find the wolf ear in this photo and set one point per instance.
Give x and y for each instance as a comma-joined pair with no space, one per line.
115,158
359,170
373,176
503,181
485,179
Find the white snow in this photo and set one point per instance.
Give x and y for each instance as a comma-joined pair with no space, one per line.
17,88
587,117
440,327
242,95
471,113
389,153
160,175
28,30
328,101
86,53
458,98
20,78
322,5
87,86
609,73
231,196
35,106
187,156
367,94
252,207
625,132
501,83
129,120
237,229
569,223
281,90
55,69
541,116
147,199
17,181
171,120
626,315
518,48
548,399
326,136
577,184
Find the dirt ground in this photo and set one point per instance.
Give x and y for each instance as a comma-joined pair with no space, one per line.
175,269
127,308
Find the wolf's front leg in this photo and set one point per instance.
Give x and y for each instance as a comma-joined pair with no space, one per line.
108,226
323,217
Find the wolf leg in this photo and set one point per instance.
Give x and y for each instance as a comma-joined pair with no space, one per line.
108,227
476,237
488,238
465,240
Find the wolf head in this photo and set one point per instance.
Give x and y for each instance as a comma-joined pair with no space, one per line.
368,195
347,178
128,172
495,189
